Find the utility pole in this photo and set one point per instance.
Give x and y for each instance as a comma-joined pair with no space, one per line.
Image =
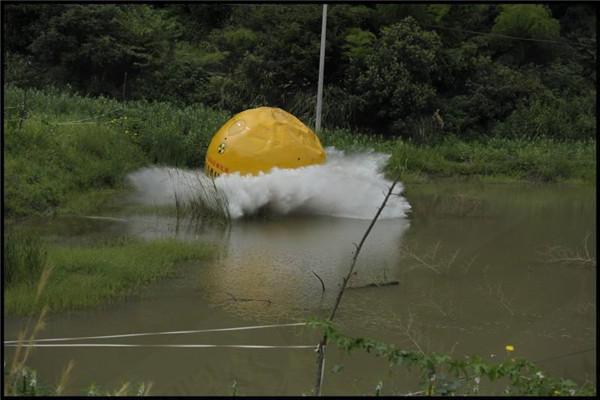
321,71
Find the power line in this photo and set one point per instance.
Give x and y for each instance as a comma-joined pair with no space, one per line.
565,355
502,36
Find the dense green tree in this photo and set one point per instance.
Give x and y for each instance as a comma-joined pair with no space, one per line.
397,83
528,21
91,47
398,69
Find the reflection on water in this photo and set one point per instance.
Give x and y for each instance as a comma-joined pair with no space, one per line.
277,261
473,271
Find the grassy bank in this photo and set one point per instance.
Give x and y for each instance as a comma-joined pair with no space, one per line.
66,153
497,160
490,160
83,277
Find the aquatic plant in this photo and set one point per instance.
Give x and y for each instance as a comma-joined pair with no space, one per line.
566,256
209,202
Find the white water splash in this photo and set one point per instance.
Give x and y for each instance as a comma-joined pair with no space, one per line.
350,186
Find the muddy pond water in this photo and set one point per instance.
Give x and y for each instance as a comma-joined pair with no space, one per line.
477,267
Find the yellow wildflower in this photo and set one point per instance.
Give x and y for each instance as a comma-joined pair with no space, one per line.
510,348
125,117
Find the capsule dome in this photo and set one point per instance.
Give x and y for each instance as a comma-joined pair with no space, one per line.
259,139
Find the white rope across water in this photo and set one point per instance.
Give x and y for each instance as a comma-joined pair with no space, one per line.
241,328
239,346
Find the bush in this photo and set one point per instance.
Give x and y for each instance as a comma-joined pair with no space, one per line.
553,117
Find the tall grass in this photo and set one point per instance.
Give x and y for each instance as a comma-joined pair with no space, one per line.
540,159
24,256
206,201
69,146
210,204
106,272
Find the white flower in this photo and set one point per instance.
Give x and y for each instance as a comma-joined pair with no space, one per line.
477,380
540,375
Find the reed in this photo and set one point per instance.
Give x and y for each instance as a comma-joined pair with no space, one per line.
201,199
209,202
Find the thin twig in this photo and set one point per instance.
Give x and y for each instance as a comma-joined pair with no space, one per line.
23,113
321,347
64,378
244,299
232,296
320,280
565,256
370,285
410,333
79,121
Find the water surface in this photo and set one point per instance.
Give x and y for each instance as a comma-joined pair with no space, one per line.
473,268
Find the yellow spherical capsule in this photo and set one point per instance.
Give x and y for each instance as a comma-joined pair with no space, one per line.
260,139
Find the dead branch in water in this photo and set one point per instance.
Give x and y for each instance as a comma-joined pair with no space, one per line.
429,258
233,298
370,285
320,280
566,256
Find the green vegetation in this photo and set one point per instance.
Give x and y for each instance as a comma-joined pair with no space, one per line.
48,163
542,160
69,152
24,255
90,276
441,87
389,67
442,375
26,383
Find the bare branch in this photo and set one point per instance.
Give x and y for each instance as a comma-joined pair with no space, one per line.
232,296
369,285
320,280
565,256
321,346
